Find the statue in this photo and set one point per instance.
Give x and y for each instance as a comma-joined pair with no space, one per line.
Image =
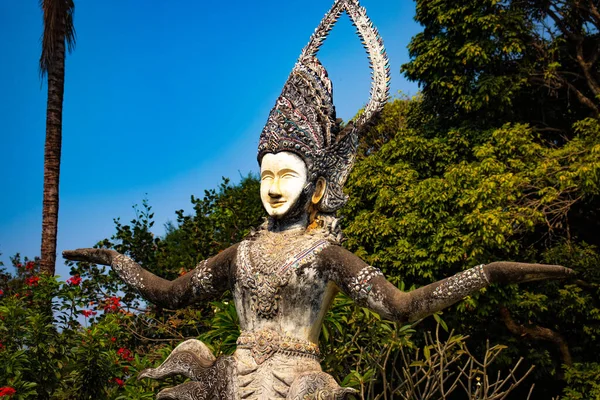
285,275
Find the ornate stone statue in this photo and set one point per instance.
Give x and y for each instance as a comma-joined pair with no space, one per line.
285,275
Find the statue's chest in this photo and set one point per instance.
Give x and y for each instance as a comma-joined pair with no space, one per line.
267,264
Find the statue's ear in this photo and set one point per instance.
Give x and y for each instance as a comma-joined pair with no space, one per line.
320,187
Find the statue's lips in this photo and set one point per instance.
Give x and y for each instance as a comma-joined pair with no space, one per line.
277,204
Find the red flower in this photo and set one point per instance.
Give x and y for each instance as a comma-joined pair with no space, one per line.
113,339
74,280
32,280
88,313
112,304
125,354
29,266
119,382
1,346
7,391
1,292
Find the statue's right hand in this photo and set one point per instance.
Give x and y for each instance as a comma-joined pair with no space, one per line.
96,256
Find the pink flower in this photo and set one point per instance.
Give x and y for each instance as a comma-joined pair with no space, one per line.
74,280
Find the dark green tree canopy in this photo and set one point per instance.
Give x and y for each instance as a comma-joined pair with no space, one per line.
489,61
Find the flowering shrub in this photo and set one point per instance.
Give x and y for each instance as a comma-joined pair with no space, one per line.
60,340
7,391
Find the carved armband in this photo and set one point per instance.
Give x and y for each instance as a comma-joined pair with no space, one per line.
361,286
462,284
202,280
128,270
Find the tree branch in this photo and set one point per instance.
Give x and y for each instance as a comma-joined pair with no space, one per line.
583,98
537,333
594,13
578,39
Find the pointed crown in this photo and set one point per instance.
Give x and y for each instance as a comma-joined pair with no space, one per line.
303,120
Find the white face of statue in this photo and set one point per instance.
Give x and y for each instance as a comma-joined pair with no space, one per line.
282,179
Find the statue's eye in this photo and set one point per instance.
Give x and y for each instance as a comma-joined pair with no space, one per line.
288,175
266,177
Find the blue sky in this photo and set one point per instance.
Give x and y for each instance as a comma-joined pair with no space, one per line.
162,99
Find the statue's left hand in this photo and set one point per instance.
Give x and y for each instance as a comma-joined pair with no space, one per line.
514,272
96,256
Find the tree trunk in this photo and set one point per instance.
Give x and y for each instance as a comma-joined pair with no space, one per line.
56,84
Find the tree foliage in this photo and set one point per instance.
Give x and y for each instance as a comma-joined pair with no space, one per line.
481,61
422,209
498,159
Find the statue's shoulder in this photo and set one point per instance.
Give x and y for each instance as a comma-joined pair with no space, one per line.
319,246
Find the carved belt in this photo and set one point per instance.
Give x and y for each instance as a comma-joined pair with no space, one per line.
266,342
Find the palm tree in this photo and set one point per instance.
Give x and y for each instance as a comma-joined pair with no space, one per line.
59,35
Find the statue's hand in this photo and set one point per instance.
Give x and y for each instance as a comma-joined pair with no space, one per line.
96,256
513,272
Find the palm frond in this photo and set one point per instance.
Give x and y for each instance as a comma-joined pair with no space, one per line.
58,26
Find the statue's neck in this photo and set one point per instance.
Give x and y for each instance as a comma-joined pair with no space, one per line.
286,224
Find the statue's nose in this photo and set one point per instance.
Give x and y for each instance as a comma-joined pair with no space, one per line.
274,189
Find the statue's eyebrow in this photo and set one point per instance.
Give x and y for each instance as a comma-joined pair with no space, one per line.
287,171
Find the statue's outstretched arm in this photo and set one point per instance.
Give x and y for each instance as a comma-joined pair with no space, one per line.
368,286
207,280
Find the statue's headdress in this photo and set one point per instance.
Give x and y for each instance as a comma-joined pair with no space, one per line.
303,120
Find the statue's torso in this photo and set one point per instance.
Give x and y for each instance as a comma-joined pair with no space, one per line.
282,294
281,285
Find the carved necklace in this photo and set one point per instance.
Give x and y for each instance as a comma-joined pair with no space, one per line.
267,262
